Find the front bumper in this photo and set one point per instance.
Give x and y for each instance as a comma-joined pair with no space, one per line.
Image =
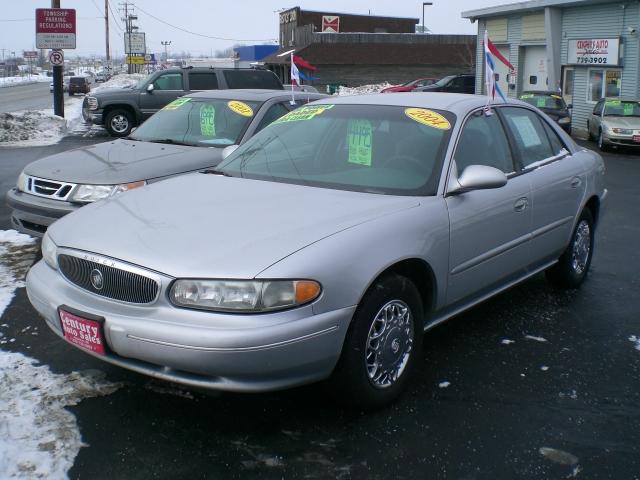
32,214
247,353
620,140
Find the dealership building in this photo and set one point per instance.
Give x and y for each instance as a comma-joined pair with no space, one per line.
586,49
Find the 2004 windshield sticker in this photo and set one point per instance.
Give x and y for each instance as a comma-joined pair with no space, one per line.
428,117
240,108
177,103
304,113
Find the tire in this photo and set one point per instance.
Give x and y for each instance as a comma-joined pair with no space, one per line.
601,143
358,379
119,122
589,135
573,265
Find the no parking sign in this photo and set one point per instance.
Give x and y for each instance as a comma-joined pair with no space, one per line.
56,57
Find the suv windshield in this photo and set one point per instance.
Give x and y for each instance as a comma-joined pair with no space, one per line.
367,148
542,100
199,122
77,80
620,108
444,81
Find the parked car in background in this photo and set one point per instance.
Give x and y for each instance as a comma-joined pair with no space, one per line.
121,109
102,77
410,86
78,85
464,83
325,245
301,88
65,84
552,104
615,122
170,143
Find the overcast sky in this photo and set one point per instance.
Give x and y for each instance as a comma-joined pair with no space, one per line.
244,21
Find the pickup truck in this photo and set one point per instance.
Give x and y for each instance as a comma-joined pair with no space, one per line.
119,110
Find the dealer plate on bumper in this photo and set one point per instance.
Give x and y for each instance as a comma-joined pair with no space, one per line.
636,138
83,330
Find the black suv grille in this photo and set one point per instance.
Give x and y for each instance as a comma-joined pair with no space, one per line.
116,283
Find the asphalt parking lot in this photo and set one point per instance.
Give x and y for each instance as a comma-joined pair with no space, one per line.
534,384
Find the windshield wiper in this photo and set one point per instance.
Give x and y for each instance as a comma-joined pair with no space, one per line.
213,171
170,141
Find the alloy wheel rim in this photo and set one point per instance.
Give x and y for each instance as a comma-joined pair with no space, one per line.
119,123
389,344
581,248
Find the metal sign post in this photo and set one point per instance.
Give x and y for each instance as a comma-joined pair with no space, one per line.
56,29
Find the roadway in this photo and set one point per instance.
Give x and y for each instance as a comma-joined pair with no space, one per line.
35,96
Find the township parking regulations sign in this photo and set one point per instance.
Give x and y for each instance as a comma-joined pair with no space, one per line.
55,28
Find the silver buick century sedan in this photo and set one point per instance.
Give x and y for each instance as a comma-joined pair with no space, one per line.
325,246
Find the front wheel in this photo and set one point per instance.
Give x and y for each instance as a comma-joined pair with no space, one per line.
383,344
573,266
119,122
602,145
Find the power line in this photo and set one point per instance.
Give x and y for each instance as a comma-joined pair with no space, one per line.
115,18
201,34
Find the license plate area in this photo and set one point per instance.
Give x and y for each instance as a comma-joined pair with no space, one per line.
83,330
636,138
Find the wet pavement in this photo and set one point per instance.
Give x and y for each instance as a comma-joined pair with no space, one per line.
534,384
33,96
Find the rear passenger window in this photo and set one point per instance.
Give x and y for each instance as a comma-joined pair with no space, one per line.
556,143
531,139
252,79
483,142
203,81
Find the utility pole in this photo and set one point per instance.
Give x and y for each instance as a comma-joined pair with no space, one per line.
423,5
106,30
166,43
58,94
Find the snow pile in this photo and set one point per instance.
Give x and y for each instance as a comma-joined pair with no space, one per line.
39,438
17,252
364,89
25,80
124,80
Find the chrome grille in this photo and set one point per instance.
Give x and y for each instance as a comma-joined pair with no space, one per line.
49,188
118,284
91,103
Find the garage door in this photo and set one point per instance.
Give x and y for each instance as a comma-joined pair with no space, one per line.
535,69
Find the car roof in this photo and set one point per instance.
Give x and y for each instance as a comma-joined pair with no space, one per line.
542,92
257,95
458,103
620,99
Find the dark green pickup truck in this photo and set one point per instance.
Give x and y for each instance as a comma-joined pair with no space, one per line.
121,109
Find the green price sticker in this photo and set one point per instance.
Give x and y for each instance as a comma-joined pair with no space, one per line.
177,103
304,113
359,139
628,109
207,121
526,95
541,102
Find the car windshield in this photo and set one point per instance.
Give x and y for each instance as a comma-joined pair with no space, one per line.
367,148
544,100
443,81
210,122
621,108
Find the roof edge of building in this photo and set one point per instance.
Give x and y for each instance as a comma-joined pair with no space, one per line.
527,6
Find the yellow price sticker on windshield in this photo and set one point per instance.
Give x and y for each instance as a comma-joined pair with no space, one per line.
240,108
177,103
307,112
428,117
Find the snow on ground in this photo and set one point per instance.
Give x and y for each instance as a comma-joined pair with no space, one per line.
364,89
13,81
123,80
535,338
635,340
39,438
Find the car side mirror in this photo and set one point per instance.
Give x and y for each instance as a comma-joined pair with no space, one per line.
479,177
226,151
150,88
570,106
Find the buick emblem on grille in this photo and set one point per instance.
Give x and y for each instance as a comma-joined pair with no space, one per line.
97,280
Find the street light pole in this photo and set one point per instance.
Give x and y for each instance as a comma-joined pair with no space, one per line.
166,43
424,4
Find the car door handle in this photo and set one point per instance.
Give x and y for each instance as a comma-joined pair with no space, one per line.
521,204
576,182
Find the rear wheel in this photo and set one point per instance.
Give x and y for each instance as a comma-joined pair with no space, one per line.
573,266
119,122
383,344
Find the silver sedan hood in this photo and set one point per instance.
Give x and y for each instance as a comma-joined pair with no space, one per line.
201,225
622,122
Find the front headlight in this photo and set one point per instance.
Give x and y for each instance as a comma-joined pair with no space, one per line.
564,121
21,184
49,251
93,193
248,296
622,131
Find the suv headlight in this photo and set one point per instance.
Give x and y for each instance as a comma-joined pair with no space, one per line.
243,296
49,251
93,193
21,184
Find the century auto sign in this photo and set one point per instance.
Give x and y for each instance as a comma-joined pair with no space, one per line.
594,51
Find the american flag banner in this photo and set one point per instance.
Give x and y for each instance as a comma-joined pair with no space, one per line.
490,51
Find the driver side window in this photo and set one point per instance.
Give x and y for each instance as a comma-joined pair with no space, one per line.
169,81
598,109
483,142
